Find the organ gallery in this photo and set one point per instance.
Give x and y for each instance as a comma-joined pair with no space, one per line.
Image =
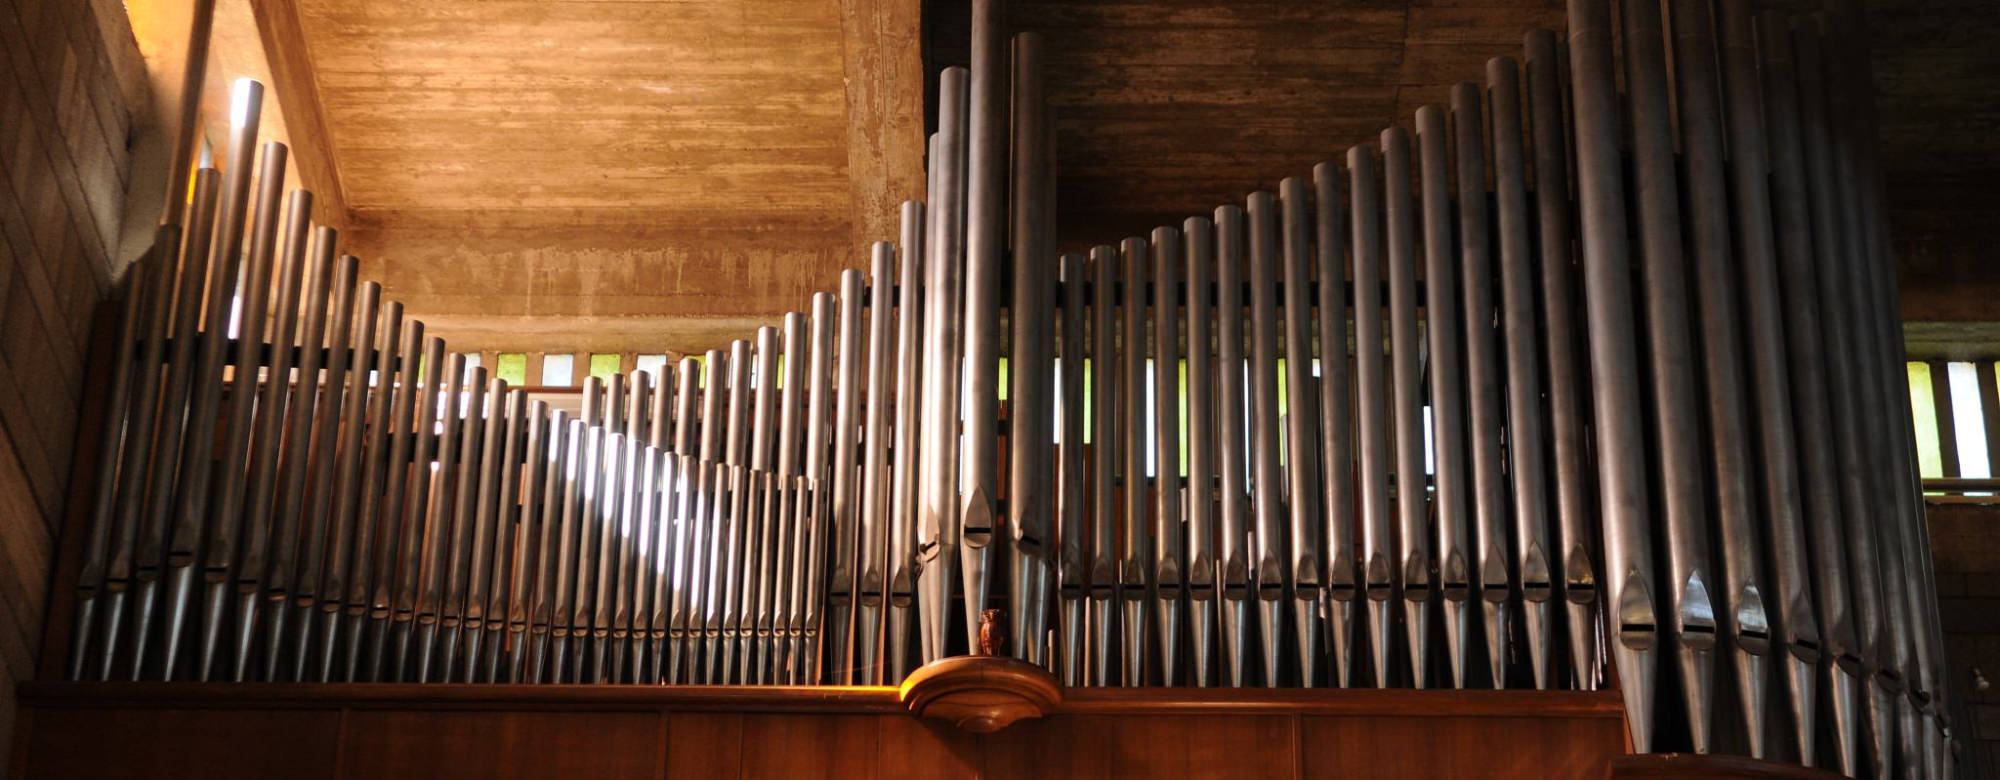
1557,426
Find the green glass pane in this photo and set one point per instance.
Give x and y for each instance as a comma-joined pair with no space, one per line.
1923,411
1088,376
604,365
513,367
1184,417
1003,379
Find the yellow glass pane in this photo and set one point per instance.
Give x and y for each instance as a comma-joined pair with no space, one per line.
513,367
1923,412
604,365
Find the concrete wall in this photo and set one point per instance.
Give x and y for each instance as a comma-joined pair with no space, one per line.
64,128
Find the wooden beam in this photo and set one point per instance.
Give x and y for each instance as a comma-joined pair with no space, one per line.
297,89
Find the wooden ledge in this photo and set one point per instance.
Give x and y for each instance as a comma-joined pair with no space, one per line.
835,700
981,693
1688,766
851,700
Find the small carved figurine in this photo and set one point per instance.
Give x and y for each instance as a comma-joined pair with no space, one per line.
992,632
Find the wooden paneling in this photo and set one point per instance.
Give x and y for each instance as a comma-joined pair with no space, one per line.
64,123
149,744
797,734
547,163
606,745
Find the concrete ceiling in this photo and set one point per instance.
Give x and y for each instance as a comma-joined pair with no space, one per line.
583,173
660,174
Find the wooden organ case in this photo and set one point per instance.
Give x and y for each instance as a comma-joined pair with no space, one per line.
1564,428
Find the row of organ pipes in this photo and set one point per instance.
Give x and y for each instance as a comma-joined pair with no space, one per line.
1567,384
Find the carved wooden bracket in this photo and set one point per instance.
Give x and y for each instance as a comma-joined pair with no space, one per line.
981,694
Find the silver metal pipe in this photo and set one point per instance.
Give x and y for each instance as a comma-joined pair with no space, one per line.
360,492
1823,503
495,441
526,615
687,523
660,411
250,517
845,526
730,541
1371,414
938,521
604,522
1576,550
741,507
758,603
1492,579
1746,625
1670,353
509,528
902,556
426,430
286,505
435,555
875,463
809,542
371,596
629,630
613,553
1200,529
477,414
315,638
1135,558
466,486
577,562
493,537
1233,550
172,308
1073,511
1413,543
148,281
1336,442
1271,573
1614,370
785,562
191,393
985,248
1105,445
1169,543
1456,576
219,250
1874,561
1031,496
1526,430
1302,443
197,503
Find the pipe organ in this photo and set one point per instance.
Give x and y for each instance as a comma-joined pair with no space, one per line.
1591,380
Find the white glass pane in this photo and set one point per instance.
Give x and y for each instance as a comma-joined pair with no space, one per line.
652,364
1968,421
1430,462
558,370
1146,421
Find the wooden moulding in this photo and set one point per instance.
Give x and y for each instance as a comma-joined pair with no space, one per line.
980,694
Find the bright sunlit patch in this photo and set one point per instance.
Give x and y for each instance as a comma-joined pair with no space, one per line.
242,96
